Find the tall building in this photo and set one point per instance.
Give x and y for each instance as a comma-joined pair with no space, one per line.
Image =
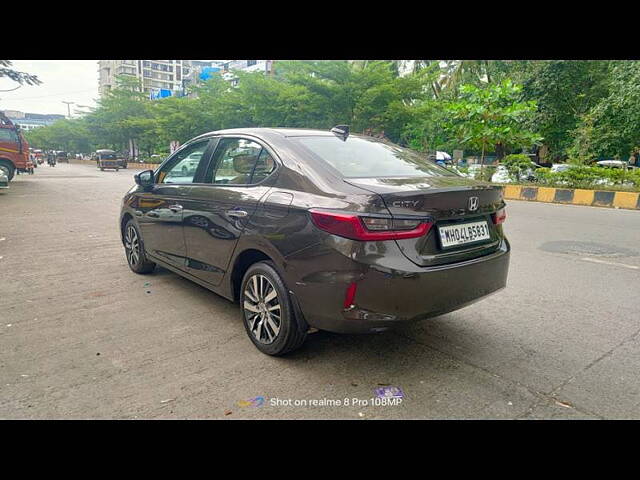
164,78
158,78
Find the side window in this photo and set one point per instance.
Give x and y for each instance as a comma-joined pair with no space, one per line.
234,162
7,135
264,167
183,166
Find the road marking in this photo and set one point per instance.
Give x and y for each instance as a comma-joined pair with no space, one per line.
595,260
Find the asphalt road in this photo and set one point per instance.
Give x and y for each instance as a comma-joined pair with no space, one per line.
81,336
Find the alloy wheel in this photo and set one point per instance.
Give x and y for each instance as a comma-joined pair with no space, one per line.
262,309
132,245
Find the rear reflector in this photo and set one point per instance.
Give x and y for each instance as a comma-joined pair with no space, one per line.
350,295
500,216
367,228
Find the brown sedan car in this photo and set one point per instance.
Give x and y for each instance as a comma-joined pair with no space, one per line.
317,229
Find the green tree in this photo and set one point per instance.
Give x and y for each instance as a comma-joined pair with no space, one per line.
565,92
611,126
492,118
16,76
123,114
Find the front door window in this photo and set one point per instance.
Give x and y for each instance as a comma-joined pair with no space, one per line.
183,166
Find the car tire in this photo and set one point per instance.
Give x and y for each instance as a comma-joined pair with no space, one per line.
134,250
272,334
8,169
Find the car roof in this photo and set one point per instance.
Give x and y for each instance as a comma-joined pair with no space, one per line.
265,133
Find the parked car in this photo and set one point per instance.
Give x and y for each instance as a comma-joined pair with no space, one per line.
473,170
311,229
501,175
612,164
190,164
561,167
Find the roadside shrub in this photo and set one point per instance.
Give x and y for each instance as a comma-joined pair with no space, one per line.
517,165
544,176
582,176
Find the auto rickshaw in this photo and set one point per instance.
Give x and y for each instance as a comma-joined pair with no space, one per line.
62,156
107,159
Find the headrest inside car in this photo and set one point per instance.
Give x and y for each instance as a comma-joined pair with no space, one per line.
244,163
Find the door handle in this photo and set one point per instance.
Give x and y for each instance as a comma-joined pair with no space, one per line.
176,208
237,213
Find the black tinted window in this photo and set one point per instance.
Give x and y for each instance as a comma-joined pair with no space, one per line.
358,157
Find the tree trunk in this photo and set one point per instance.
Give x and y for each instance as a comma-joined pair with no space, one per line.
482,161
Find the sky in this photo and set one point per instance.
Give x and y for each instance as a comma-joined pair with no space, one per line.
68,80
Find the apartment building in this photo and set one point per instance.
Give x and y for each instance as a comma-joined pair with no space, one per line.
157,77
164,78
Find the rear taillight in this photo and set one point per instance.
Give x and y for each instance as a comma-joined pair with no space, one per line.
368,228
500,216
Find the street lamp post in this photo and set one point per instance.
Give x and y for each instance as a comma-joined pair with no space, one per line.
68,107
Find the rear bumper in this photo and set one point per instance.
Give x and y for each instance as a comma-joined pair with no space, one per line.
385,297
109,165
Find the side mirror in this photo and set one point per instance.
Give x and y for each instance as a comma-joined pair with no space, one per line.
144,179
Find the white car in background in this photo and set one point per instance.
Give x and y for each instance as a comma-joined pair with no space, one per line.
190,163
473,170
612,164
501,175
561,167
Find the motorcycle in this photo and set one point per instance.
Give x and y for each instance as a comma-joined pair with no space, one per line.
51,161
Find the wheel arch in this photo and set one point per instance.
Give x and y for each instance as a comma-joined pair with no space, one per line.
241,264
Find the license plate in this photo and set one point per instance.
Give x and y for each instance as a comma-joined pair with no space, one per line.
463,233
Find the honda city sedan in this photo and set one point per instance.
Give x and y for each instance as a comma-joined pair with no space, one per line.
314,229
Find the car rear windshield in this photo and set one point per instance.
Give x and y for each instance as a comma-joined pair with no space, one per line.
359,157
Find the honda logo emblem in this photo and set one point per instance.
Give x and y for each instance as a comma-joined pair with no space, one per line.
473,203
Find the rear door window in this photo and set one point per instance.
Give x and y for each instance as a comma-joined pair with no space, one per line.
239,161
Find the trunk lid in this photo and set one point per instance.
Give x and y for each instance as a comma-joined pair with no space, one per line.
446,200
